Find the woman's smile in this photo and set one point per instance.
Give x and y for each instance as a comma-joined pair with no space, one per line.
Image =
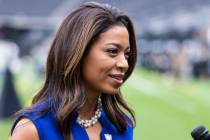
117,78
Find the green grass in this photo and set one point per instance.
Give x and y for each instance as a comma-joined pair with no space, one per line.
166,108
5,126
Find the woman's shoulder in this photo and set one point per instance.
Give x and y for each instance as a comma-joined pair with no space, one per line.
24,130
33,113
33,121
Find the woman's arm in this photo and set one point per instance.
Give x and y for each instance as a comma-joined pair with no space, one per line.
25,130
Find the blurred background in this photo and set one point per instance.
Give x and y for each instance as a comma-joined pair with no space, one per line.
170,87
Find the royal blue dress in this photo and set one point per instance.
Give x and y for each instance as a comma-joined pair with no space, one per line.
48,129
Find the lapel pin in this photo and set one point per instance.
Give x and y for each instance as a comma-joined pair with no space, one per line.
108,136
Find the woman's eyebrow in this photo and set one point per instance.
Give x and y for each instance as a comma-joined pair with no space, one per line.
119,46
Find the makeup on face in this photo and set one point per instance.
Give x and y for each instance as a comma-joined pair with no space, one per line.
105,65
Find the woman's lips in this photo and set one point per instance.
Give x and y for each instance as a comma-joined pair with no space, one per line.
117,78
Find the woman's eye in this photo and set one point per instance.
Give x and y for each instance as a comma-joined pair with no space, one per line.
112,51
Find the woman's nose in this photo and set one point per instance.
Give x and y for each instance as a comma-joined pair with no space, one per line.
122,63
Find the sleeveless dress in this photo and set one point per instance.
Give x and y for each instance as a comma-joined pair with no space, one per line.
48,129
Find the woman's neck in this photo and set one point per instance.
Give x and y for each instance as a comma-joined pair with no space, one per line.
90,106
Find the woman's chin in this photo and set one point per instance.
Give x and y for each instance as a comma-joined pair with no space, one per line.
111,91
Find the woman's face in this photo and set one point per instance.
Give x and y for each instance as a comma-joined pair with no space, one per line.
106,63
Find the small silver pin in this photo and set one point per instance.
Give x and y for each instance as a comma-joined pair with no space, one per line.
108,136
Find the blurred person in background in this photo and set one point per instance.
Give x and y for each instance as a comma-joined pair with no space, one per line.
9,57
92,55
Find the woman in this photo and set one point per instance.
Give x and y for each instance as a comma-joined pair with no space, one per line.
93,53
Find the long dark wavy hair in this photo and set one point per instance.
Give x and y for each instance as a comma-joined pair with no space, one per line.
72,42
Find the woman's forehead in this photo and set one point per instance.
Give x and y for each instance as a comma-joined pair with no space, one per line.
116,35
